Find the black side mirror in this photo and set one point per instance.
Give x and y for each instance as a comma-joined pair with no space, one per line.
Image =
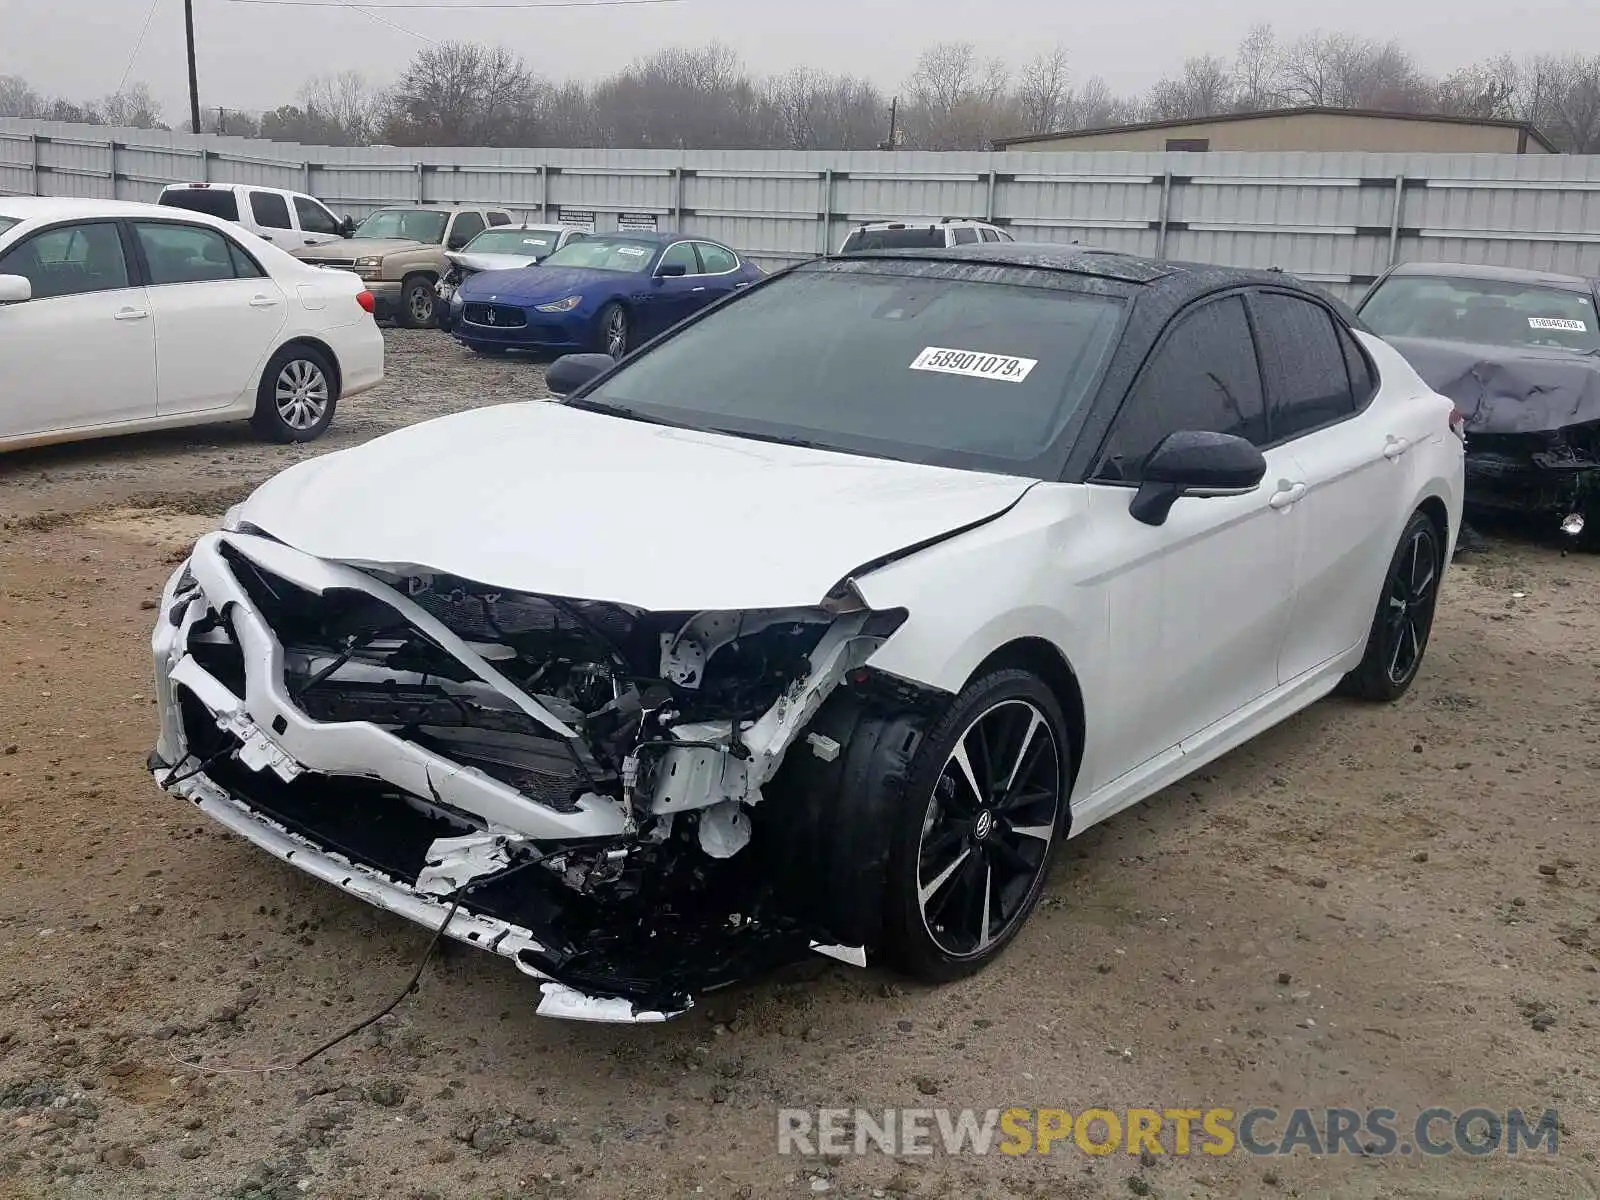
672,270
1195,463
571,371
347,226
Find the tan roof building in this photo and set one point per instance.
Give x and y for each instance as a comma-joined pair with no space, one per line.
1325,129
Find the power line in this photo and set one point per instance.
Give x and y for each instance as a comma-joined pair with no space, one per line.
421,37
437,6
143,29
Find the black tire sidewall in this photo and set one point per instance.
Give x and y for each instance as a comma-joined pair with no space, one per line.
604,339
906,940
407,289
267,421
1370,680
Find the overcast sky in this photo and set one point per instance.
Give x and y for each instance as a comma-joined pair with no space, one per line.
255,56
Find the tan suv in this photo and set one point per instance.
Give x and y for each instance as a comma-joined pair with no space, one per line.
399,252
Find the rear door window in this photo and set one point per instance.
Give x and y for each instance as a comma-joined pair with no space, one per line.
175,253
965,237
270,210
1302,363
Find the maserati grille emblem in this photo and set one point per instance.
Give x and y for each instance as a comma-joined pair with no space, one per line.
489,317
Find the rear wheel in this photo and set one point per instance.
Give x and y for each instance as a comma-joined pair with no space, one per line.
418,302
297,395
1400,628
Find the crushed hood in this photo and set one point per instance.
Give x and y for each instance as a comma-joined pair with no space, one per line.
1509,389
491,262
537,284
544,498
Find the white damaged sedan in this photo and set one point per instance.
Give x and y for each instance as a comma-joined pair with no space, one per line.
816,624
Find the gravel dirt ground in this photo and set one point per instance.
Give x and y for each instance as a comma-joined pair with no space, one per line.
1367,906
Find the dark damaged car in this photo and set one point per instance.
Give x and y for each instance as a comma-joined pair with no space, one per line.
816,624
1519,354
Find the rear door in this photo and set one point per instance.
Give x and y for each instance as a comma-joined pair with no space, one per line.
269,213
81,352
217,315
719,274
1353,459
1199,605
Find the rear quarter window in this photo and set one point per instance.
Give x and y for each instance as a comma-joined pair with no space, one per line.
215,202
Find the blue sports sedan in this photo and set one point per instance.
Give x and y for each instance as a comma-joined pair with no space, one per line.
605,293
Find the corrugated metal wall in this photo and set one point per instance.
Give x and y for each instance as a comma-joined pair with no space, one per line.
1336,219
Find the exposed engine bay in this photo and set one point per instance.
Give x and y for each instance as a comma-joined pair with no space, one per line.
587,782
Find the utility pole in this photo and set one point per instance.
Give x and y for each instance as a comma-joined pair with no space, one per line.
194,82
894,113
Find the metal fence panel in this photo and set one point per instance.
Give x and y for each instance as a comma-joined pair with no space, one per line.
1336,219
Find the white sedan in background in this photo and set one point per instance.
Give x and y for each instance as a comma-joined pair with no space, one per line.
116,317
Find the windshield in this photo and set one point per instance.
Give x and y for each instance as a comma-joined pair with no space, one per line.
534,243
413,224
877,360
894,239
1482,311
7,222
604,254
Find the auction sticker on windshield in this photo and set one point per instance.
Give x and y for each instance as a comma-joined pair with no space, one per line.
1557,323
1005,368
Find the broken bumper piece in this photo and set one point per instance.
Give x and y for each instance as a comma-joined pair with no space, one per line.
473,929
332,717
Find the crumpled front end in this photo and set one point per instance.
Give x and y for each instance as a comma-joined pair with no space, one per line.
582,781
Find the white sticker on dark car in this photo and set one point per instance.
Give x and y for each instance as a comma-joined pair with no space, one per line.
1557,323
1005,368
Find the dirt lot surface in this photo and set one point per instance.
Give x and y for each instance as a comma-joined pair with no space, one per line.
1392,907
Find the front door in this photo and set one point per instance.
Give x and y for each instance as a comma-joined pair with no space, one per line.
1198,606
81,352
217,315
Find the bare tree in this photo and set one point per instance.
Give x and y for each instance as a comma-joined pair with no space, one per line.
958,101
1574,109
1205,89
700,97
1258,71
460,94
1094,106
812,110
1339,70
17,99
1042,91
133,107
347,105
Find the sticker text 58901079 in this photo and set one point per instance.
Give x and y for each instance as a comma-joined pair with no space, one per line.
1004,368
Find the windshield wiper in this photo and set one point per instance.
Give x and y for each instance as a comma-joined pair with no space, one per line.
780,439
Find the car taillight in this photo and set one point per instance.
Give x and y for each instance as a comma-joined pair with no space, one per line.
1458,423
364,299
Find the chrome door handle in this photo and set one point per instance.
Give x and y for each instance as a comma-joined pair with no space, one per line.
1394,447
1287,494
699,289
131,314
262,302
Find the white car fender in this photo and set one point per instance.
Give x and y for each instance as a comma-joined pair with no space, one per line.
969,596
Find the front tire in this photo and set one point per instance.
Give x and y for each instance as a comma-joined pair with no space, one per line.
1404,619
297,395
418,303
971,842
616,330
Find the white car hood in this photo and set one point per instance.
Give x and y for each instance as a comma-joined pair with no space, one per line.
540,497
